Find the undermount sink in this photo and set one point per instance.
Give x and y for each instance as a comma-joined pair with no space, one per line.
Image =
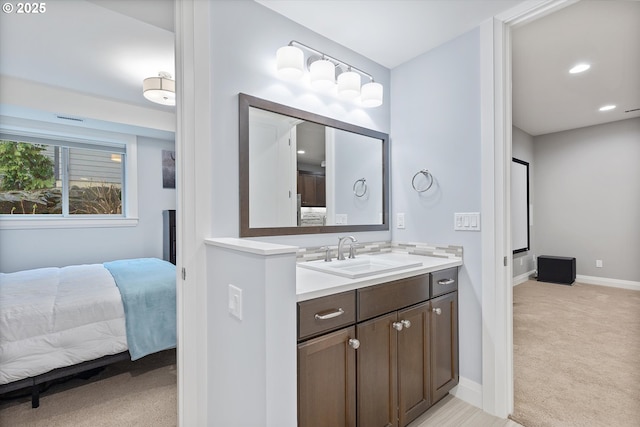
362,266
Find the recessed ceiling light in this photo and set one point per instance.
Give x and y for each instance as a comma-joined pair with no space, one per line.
300,151
607,107
579,68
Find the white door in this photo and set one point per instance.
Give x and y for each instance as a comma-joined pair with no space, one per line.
272,170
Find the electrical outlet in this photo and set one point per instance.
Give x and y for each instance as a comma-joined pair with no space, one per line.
400,220
599,263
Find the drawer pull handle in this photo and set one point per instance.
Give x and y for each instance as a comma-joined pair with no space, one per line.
354,343
329,315
437,311
445,282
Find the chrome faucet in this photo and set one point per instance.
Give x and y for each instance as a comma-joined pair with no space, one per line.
341,241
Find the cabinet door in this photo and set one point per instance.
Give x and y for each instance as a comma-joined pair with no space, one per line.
307,189
377,372
327,381
444,345
321,193
413,363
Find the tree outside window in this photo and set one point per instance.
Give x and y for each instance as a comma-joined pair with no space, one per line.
40,179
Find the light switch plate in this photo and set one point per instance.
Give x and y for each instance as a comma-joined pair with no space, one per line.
400,220
235,301
341,219
466,221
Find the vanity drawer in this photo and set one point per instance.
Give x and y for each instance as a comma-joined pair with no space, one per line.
444,281
387,297
326,313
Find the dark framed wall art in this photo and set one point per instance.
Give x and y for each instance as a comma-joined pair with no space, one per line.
168,169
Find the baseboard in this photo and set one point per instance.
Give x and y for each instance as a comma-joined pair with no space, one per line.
603,281
523,277
468,391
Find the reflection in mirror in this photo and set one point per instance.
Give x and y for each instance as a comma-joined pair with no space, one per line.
302,173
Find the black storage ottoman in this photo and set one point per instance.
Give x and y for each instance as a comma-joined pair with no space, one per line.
556,269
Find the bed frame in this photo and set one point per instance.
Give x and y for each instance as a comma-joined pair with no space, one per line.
65,371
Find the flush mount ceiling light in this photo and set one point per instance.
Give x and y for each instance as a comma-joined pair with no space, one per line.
579,68
161,89
607,108
327,73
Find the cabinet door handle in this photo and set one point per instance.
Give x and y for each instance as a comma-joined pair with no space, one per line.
397,326
354,343
329,315
406,323
437,310
445,281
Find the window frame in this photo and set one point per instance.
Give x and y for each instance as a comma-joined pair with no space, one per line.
52,134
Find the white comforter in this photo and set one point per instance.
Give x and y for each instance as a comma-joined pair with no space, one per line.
55,317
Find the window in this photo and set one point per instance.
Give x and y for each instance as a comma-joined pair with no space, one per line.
48,179
65,181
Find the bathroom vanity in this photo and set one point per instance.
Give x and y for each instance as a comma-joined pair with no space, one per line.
380,349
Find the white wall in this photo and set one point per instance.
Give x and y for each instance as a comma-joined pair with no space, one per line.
357,157
435,124
23,249
522,149
245,62
587,189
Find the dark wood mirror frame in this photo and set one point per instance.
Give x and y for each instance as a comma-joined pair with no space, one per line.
247,101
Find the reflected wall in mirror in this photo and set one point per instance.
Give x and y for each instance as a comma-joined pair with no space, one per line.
302,173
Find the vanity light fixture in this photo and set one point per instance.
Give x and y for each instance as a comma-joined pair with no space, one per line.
607,108
327,73
161,89
579,68
371,95
322,74
349,85
290,60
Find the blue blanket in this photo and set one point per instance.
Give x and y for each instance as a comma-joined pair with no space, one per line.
148,290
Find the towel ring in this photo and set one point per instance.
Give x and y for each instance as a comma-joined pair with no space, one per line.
363,185
427,175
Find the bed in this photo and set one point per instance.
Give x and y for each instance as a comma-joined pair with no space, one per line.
55,322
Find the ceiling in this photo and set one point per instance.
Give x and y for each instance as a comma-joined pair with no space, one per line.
91,46
545,97
605,34
107,47
390,32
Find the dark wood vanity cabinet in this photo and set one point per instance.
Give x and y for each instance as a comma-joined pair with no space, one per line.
393,367
405,358
311,187
444,345
327,361
327,380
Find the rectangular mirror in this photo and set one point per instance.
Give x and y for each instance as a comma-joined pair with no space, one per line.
302,173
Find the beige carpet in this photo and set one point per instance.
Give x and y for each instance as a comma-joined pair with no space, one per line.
125,394
576,355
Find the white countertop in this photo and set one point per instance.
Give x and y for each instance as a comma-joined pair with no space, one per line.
251,246
312,284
